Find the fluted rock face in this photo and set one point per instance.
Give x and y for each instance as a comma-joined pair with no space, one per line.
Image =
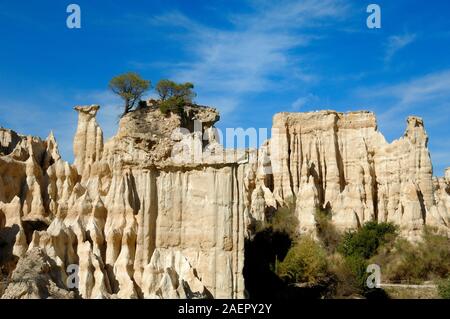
161,210
359,176
88,141
134,222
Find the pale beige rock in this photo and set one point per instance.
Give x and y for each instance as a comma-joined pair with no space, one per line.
447,174
36,277
13,233
258,207
439,216
93,280
358,175
162,210
307,206
88,141
169,275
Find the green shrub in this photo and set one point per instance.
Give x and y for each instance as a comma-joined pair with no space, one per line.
167,89
365,241
326,231
305,262
444,288
435,251
357,267
345,283
285,221
130,87
416,262
172,104
356,248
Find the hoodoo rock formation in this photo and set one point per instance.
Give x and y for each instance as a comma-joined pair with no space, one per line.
343,163
161,210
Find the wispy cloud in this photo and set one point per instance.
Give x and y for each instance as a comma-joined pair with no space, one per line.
397,42
291,14
303,101
430,89
226,64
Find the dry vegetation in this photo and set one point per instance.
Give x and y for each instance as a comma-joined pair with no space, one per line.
338,262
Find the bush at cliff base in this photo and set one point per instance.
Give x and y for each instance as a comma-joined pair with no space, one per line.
365,242
414,263
444,288
306,262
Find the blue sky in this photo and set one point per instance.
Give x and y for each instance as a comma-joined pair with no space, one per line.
250,59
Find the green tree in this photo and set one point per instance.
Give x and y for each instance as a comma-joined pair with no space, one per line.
173,96
165,89
168,89
428,259
365,242
326,231
130,87
173,104
305,262
357,267
284,220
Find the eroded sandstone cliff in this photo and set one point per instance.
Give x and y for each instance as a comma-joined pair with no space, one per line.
342,163
161,210
135,221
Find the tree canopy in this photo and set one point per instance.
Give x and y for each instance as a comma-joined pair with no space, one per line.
130,87
365,242
174,95
168,89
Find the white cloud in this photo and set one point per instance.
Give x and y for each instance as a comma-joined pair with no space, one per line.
242,59
303,101
397,42
288,14
431,89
